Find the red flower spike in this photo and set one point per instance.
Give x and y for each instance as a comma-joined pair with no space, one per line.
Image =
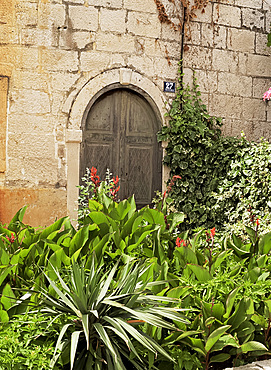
257,222
11,239
116,180
213,232
180,242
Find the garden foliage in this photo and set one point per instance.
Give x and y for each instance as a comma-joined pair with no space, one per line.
127,290
222,177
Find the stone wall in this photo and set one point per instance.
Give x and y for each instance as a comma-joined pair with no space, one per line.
232,62
57,54
49,51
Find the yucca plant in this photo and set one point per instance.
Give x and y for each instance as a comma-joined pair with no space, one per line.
104,316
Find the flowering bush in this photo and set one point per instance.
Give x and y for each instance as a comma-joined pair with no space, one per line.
267,95
93,188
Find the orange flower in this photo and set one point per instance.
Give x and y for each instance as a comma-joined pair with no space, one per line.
213,232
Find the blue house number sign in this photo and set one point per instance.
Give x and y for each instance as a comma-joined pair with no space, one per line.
169,86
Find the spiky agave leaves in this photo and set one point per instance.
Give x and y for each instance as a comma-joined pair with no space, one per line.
102,313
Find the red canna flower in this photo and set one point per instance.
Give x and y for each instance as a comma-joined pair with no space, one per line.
11,239
94,177
180,242
213,232
257,222
115,189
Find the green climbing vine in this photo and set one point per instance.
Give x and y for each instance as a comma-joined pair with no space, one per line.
221,177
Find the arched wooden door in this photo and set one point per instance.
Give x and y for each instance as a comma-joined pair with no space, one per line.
120,134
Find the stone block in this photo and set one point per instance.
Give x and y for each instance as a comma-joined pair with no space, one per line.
19,57
197,57
7,12
26,14
229,16
113,20
59,60
44,205
267,26
165,69
253,19
207,81
241,40
8,34
143,6
224,60
36,36
57,100
261,47
259,65
260,85
116,4
254,109
266,5
226,106
29,101
83,18
115,43
207,35
51,15
158,48
220,36
232,84
63,81
35,151
253,4
143,64
37,124
94,61
195,34
22,79
144,24
207,15
170,33
76,40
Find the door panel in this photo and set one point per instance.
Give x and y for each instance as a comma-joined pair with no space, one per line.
120,134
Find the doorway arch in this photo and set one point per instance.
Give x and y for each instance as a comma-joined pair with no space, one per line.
119,130
77,105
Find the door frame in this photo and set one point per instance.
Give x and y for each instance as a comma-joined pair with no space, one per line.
78,105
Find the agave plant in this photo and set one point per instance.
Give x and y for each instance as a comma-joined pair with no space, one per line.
104,316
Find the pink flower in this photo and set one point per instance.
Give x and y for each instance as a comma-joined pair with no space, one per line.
267,95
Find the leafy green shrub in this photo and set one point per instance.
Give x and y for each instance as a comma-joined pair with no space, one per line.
102,314
221,176
25,343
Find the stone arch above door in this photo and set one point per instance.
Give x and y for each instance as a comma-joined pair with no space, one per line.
77,105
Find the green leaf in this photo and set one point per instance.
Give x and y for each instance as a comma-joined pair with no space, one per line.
4,316
222,357
186,255
79,240
106,340
8,298
200,272
252,346
230,302
74,342
56,226
265,243
214,337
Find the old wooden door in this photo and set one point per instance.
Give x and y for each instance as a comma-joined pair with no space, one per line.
120,134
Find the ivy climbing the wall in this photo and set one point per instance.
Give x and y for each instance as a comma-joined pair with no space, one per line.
222,177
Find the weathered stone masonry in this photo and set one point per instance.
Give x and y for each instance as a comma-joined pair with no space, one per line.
56,55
